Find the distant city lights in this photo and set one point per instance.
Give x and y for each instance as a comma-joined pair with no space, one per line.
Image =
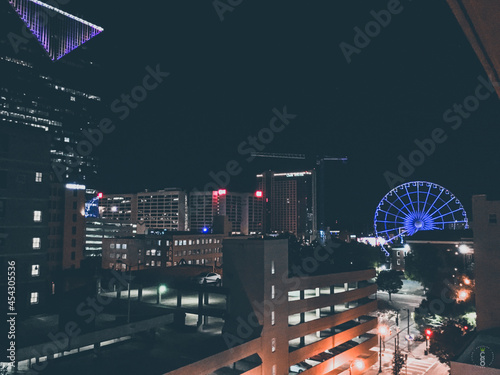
75,187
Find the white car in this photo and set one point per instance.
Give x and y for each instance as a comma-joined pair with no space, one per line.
208,278
300,367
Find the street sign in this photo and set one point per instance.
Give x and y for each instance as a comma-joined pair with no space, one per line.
409,337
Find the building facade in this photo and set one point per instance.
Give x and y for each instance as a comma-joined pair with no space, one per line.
280,321
289,203
24,214
37,92
163,209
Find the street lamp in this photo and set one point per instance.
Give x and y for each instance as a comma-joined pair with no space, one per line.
462,295
428,334
128,285
161,289
383,331
358,364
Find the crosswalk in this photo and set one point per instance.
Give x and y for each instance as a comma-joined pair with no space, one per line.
420,366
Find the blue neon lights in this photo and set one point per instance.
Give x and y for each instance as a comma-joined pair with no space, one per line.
417,206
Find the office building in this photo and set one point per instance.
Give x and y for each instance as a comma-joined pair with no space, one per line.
24,214
289,203
54,96
163,209
243,211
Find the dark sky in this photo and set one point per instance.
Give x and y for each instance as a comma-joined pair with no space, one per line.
226,77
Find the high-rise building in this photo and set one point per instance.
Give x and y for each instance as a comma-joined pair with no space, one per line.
163,209
243,210
289,201
24,214
54,96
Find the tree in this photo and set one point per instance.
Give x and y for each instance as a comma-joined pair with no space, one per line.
389,281
398,362
448,341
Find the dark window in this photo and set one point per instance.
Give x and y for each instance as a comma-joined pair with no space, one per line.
493,219
73,230
75,192
74,205
73,243
74,218
72,255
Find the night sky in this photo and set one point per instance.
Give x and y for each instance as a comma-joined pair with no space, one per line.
227,76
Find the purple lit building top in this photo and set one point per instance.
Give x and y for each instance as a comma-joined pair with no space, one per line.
58,32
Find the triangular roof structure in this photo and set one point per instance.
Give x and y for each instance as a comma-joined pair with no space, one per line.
58,32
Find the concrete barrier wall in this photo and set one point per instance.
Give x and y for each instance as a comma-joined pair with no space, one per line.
320,346
331,279
326,300
313,326
222,359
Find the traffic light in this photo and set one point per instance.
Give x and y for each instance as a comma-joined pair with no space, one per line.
428,333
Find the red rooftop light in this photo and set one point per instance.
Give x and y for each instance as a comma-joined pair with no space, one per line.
99,195
259,194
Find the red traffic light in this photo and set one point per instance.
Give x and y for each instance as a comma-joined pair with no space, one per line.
428,333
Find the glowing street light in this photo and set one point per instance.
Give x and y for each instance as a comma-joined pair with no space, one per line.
358,364
467,281
383,331
462,295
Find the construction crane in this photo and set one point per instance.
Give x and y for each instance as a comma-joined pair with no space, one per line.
320,163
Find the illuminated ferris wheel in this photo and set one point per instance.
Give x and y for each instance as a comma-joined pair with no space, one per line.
417,206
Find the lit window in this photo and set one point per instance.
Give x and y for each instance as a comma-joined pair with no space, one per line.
272,291
124,256
159,264
34,298
274,370
159,242
35,270
124,246
158,253
72,98
272,267
152,263
37,216
148,252
198,241
184,242
176,242
153,252
272,318
66,139
112,246
210,240
273,345
190,242
399,262
118,246
36,243
38,177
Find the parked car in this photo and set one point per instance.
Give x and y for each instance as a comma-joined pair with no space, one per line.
208,278
300,367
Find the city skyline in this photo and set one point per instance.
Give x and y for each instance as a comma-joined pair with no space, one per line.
225,85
